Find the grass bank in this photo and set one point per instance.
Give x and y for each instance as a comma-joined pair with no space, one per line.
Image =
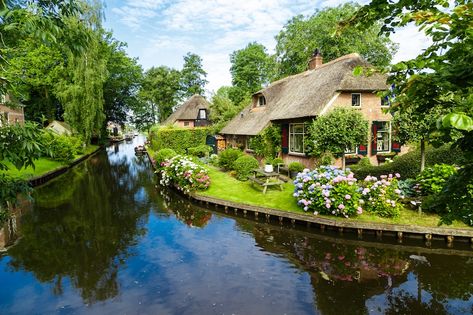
42,166
226,187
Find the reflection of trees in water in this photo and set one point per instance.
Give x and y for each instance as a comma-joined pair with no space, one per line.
184,211
87,236
357,271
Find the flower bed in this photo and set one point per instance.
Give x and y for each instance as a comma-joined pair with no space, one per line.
184,174
329,190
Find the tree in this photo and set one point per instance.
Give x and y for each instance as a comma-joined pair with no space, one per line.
222,109
302,35
447,66
336,132
160,92
120,90
251,68
192,76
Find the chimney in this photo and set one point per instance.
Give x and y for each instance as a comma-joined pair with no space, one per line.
316,60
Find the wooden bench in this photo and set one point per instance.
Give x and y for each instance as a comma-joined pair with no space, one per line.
265,183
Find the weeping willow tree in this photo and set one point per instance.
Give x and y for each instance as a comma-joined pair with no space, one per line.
81,90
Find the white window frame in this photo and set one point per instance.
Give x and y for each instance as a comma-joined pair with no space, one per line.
261,97
356,106
387,102
390,137
291,134
205,114
348,150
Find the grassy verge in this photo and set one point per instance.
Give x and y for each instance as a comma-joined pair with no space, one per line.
226,187
42,166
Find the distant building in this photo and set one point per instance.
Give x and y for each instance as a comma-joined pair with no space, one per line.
113,128
193,113
60,127
8,114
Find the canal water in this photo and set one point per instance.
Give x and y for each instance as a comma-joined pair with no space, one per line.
102,239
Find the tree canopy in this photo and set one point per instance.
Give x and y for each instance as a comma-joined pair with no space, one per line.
192,76
302,35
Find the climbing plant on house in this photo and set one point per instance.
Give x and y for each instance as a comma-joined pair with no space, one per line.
337,131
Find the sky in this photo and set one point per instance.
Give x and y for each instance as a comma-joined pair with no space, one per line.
161,32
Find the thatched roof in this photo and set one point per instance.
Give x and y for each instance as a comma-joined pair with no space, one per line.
189,110
305,94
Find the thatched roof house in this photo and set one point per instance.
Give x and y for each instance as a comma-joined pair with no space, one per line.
295,100
193,113
60,127
10,114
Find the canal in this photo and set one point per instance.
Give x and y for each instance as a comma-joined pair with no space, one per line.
102,239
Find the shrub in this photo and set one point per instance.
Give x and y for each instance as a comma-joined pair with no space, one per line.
184,174
408,187
178,139
325,158
228,157
382,197
61,147
213,159
244,165
296,167
408,165
328,190
277,161
365,161
163,155
200,151
432,180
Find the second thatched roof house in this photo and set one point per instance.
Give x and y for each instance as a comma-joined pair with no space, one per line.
294,101
193,113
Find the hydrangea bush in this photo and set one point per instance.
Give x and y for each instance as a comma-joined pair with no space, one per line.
328,190
184,174
382,196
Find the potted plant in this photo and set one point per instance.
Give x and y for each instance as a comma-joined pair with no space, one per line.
383,156
294,168
268,166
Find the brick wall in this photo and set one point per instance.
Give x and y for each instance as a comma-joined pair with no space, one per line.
14,115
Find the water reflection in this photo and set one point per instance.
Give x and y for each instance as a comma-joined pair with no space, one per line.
104,233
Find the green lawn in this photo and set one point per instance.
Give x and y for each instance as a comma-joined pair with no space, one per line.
42,166
226,187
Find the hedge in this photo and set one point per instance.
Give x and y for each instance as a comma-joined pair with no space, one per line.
178,139
408,165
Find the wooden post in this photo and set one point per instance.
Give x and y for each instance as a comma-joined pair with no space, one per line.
379,234
360,233
293,222
450,239
280,220
399,237
244,213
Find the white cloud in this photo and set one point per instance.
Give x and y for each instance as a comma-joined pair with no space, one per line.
411,43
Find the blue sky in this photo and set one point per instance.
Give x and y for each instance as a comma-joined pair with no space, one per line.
161,32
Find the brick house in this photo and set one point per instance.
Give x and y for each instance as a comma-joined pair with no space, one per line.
295,101
193,113
9,114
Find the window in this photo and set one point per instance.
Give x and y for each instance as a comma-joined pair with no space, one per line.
261,100
383,136
202,114
385,102
356,99
186,124
296,138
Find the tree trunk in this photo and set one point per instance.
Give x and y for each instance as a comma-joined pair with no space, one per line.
422,155
343,161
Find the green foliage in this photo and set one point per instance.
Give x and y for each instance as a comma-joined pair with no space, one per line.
408,187
268,143
334,132
408,165
163,155
222,108
192,76
200,151
61,147
325,158
244,165
295,167
432,180
20,145
277,161
227,158
251,67
302,35
364,162
178,139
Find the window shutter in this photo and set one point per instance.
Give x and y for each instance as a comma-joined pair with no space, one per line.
362,149
395,146
374,133
285,138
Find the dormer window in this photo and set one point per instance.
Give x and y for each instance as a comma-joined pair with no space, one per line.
385,101
202,114
261,101
356,99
